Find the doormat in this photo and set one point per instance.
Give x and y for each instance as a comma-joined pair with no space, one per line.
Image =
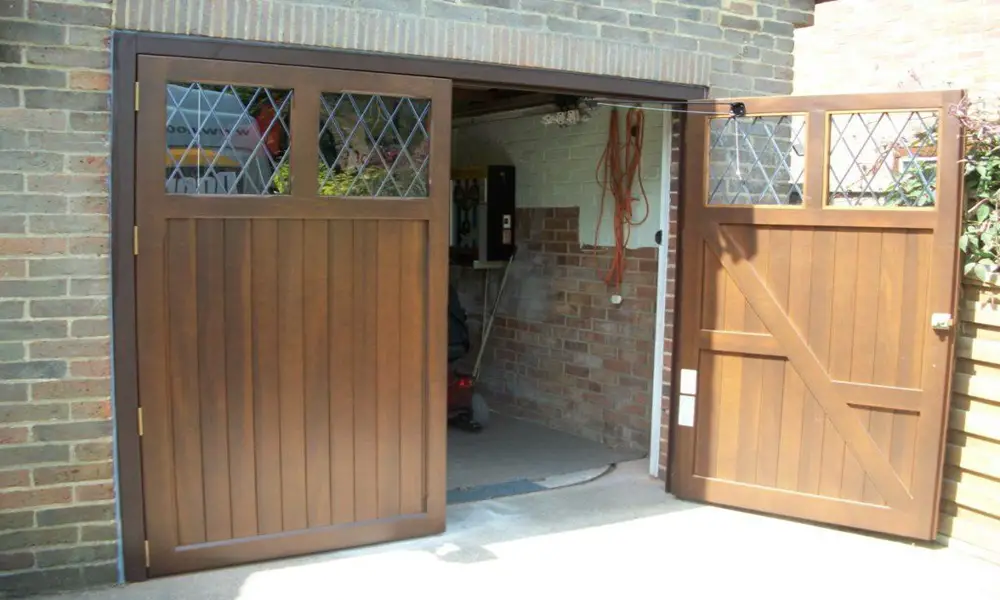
492,491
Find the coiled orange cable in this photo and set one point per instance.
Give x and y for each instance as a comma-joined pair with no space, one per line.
621,165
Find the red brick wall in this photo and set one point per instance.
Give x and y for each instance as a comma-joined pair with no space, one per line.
560,353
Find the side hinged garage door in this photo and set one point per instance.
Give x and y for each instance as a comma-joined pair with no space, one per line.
291,273
819,265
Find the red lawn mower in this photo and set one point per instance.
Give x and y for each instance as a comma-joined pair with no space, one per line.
467,409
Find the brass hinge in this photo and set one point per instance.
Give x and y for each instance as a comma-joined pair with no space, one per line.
140,422
147,554
135,240
136,96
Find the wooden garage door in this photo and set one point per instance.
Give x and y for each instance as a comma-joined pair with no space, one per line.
819,237
292,257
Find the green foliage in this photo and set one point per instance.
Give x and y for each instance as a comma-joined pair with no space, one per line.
980,240
980,236
348,183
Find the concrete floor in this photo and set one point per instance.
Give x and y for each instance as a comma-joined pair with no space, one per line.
510,449
619,536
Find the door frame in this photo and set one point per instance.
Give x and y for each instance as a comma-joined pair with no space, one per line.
126,48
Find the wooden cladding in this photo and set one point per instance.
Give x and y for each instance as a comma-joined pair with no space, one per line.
970,507
821,386
276,360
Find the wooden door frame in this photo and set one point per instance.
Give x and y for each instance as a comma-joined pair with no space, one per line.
126,48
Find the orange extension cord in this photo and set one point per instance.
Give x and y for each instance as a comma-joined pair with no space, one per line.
621,164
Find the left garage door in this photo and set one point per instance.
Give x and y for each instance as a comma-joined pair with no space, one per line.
291,272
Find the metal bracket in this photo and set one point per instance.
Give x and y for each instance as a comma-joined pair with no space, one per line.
942,321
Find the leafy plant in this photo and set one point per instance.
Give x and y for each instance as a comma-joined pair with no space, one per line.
980,237
980,240
348,182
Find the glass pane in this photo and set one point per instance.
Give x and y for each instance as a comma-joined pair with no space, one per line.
757,160
373,146
883,159
224,139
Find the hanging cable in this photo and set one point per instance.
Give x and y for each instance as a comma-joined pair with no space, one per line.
618,170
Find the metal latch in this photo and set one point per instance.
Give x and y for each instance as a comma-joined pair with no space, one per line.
942,321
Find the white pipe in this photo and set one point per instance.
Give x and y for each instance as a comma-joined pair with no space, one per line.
656,422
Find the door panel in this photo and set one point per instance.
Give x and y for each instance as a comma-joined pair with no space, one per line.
818,239
292,375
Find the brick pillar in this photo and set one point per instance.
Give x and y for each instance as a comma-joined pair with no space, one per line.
57,513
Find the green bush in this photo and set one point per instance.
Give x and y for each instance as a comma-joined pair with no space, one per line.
980,236
368,184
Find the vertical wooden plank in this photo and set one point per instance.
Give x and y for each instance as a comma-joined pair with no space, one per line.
366,371
437,306
912,336
755,242
938,355
706,426
841,344
865,330
182,297
316,368
709,366
412,367
729,395
820,318
790,446
342,366
908,366
751,387
891,308
291,337
239,378
388,302
211,378
713,295
773,379
266,394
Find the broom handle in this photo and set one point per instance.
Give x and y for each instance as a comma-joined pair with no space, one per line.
489,321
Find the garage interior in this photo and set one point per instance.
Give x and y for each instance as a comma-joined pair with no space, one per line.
567,361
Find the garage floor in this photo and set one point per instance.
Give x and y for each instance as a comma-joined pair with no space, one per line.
512,456
619,536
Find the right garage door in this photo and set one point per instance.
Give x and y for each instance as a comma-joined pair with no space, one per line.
819,264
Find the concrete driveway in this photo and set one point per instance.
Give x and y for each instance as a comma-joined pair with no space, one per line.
617,537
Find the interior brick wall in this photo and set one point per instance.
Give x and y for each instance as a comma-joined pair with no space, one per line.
580,365
561,353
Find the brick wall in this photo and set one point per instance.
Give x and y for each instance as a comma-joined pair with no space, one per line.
561,353
578,364
57,524
894,45
738,47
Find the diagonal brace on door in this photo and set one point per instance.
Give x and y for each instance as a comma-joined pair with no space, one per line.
808,366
